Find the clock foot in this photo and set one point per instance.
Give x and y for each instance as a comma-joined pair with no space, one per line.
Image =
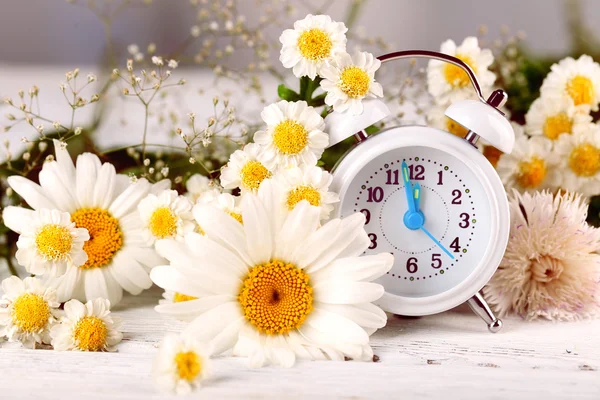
481,308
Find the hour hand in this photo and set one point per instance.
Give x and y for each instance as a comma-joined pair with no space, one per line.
408,188
417,196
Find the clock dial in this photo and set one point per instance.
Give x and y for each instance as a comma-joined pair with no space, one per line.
456,211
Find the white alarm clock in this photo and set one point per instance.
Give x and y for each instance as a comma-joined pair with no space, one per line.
430,198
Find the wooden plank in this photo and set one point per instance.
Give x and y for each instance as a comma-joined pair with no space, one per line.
450,355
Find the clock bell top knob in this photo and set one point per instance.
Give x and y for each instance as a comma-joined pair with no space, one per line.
341,126
485,120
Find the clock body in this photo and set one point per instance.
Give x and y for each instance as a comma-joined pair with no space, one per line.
463,202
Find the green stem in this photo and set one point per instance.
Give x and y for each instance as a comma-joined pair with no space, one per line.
354,12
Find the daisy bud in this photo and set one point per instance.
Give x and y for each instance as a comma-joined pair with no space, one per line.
151,48
91,78
42,146
40,128
22,107
77,131
26,156
181,82
164,171
9,192
138,57
213,26
192,116
56,125
75,72
24,139
151,170
147,162
10,117
129,65
8,100
34,90
133,49
94,98
125,91
115,72
29,120
21,93
192,160
195,31
63,87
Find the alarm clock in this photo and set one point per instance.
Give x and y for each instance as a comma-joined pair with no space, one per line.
430,198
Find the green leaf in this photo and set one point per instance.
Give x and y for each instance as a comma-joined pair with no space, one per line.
286,93
318,101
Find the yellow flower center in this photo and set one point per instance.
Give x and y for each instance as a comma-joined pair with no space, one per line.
90,334
531,173
455,128
237,217
581,90
106,237
455,76
584,160
180,297
314,44
290,137
556,125
300,193
163,223
276,297
188,364
252,174
492,154
30,312
53,241
355,82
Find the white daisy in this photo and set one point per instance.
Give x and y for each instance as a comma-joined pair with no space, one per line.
198,184
278,287
50,242
310,183
553,116
448,83
166,215
246,169
182,363
313,41
104,203
294,134
578,80
224,201
578,158
88,327
348,80
530,166
28,310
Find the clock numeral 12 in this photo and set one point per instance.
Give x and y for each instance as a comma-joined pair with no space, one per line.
417,172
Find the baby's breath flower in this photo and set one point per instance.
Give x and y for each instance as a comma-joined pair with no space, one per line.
77,132
173,64
133,49
195,31
91,78
156,60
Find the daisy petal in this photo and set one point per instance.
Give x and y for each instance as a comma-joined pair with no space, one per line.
347,292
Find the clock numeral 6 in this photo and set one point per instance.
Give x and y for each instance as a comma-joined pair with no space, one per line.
411,265
373,238
417,172
436,260
367,214
375,194
455,245
464,220
457,195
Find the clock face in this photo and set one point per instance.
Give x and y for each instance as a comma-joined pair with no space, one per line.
447,244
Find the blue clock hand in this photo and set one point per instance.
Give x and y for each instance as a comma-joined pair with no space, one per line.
438,244
408,188
417,196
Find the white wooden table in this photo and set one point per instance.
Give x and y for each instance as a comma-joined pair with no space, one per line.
449,356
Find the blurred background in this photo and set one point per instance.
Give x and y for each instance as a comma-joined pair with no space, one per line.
56,32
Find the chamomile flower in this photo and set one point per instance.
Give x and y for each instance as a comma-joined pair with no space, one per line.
87,327
246,169
182,363
103,202
348,80
278,287
310,183
314,40
579,162
166,215
28,310
554,116
578,80
530,166
448,83
224,201
436,118
50,242
294,134
198,184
